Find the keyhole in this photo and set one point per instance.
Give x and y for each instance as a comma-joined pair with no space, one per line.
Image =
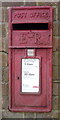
18,78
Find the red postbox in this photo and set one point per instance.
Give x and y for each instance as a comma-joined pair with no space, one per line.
30,59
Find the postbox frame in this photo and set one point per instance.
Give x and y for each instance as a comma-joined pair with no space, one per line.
49,102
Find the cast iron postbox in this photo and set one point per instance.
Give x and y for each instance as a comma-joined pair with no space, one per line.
30,59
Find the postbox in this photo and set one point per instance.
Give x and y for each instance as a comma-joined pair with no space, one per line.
30,59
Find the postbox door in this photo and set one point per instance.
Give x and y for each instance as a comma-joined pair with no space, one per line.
31,99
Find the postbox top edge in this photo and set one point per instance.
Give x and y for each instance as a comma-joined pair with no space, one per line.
30,7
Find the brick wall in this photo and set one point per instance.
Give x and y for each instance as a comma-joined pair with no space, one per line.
4,55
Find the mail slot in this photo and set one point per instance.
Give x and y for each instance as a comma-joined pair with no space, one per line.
30,59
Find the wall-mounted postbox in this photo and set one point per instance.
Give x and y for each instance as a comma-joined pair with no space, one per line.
30,59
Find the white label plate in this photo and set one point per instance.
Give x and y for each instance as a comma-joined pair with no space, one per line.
30,75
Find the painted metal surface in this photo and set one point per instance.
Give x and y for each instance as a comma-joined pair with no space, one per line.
20,42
